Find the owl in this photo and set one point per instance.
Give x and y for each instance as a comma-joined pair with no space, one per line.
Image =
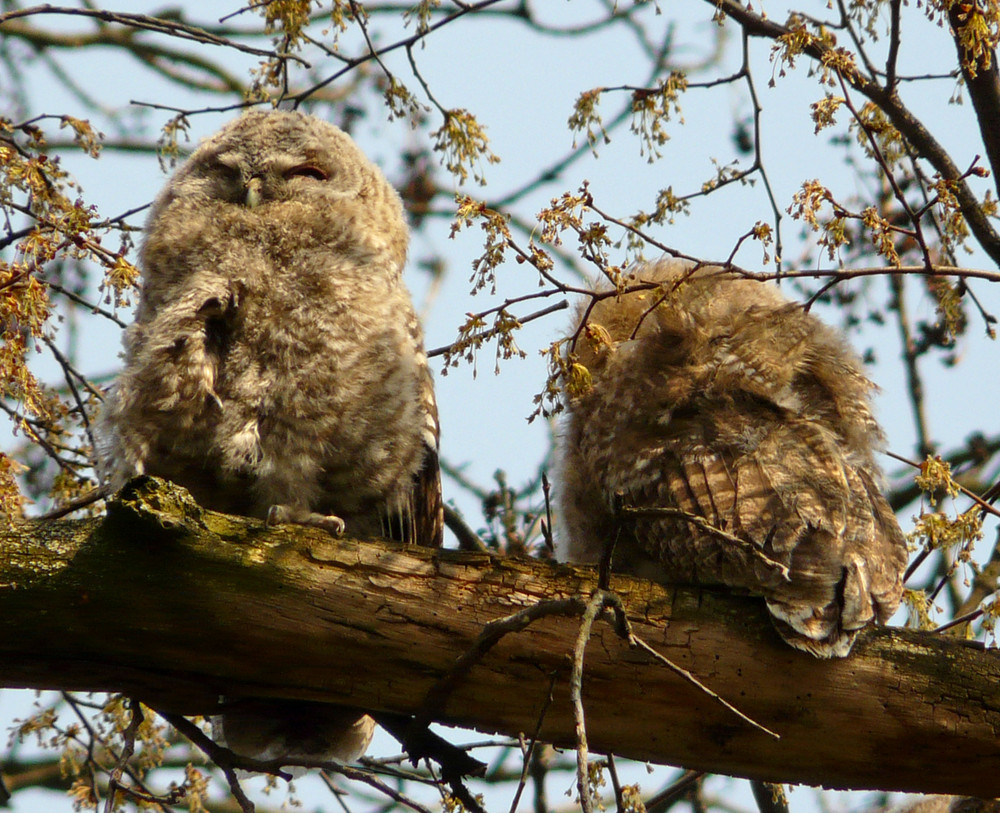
742,427
947,804
276,367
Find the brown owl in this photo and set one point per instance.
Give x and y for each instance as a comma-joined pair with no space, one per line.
947,804
276,365
712,396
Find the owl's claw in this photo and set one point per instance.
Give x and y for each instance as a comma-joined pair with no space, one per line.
287,514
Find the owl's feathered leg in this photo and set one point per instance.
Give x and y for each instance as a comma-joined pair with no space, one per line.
296,730
295,515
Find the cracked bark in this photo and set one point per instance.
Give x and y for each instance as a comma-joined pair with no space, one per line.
177,605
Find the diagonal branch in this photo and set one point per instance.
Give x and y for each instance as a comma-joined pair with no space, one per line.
902,119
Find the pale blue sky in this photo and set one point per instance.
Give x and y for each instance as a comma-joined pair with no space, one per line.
522,87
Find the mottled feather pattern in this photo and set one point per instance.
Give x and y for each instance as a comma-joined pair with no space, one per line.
278,338
714,395
276,365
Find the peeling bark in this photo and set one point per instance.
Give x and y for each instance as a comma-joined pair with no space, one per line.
177,605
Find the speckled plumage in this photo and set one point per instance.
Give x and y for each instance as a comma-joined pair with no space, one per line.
730,403
276,367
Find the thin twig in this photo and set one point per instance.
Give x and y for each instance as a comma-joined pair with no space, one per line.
684,673
915,385
373,781
75,504
627,512
666,798
150,23
890,61
114,781
467,538
985,506
962,619
224,759
403,43
529,753
491,634
486,335
616,784
594,606
69,374
547,524
79,300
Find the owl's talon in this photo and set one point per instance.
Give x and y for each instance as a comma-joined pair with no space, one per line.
287,515
330,523
274,516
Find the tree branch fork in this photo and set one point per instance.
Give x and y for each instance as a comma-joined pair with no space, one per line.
178,606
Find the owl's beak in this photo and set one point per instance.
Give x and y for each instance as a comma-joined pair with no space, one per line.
253,195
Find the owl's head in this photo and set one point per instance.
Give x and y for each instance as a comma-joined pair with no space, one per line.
268,156
284,167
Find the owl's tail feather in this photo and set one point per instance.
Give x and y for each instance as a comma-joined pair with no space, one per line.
836,644
829,631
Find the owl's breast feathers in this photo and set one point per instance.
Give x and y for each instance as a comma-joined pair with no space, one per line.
276,359
729,404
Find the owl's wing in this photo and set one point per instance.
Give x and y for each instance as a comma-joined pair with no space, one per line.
780,492
419,518
422,515
427,503
167,389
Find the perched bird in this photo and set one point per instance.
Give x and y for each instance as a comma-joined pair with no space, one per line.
946,804
743,425
276,366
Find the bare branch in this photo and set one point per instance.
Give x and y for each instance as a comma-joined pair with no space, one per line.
890,103
146,22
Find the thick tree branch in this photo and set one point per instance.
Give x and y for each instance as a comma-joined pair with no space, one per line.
889,102
177,605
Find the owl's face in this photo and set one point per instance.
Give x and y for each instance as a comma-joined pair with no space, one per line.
267,157
282,190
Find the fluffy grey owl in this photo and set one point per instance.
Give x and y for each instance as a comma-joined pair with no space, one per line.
275,367
712,395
